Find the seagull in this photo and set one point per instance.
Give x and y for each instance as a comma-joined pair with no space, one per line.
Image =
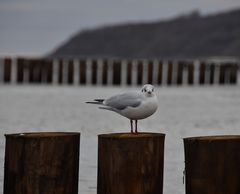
134,105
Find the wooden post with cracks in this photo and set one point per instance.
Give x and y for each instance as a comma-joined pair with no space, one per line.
130,163
41,163
212,165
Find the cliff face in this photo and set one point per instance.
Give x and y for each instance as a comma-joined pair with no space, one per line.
187,36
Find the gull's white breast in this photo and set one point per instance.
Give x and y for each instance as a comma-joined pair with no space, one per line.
147,108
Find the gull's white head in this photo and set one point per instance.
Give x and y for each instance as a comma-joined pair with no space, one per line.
148,90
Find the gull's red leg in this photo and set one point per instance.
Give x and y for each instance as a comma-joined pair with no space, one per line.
136,128
131,123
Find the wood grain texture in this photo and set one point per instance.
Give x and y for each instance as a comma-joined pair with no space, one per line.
41,163
130,164
212,165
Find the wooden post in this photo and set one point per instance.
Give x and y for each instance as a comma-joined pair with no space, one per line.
35,71
212,70
233,73
222,74
169,73
83,72
94,69
49,67
65,63
60,71
105,72
212,165
129,72
130,164
202,73
116,72
160,72
1,70
150,72
41,163
7,70
20,65
70,71
190,73
140,72
238,74
180,69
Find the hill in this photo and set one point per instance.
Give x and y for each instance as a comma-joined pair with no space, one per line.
187,36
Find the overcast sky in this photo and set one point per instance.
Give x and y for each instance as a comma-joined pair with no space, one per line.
35,27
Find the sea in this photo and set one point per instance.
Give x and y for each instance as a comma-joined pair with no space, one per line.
183,112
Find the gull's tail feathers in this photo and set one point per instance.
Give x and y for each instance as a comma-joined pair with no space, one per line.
99,100
96,101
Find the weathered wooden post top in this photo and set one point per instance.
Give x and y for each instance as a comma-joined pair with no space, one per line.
130,163
212,165
41,163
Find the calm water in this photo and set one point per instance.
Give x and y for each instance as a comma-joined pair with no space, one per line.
183,112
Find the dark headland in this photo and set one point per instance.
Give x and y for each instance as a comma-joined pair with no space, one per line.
186,36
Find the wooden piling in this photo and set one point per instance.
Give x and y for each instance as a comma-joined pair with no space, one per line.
150,72
49,67
160,72
7,70
41,163
105,72
222,74
190,73
233,74
202,73
94,67
130,164
35,70
129,72
60,71
179,75
169,73
20,65
212,70
117,72
83,72
70,72
140,73
212,165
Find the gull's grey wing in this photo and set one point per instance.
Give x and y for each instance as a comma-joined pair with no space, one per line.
122,101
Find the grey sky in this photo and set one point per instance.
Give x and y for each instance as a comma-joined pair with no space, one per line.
33,27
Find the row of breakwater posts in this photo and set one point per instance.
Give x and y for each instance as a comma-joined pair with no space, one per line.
48,163
118,72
